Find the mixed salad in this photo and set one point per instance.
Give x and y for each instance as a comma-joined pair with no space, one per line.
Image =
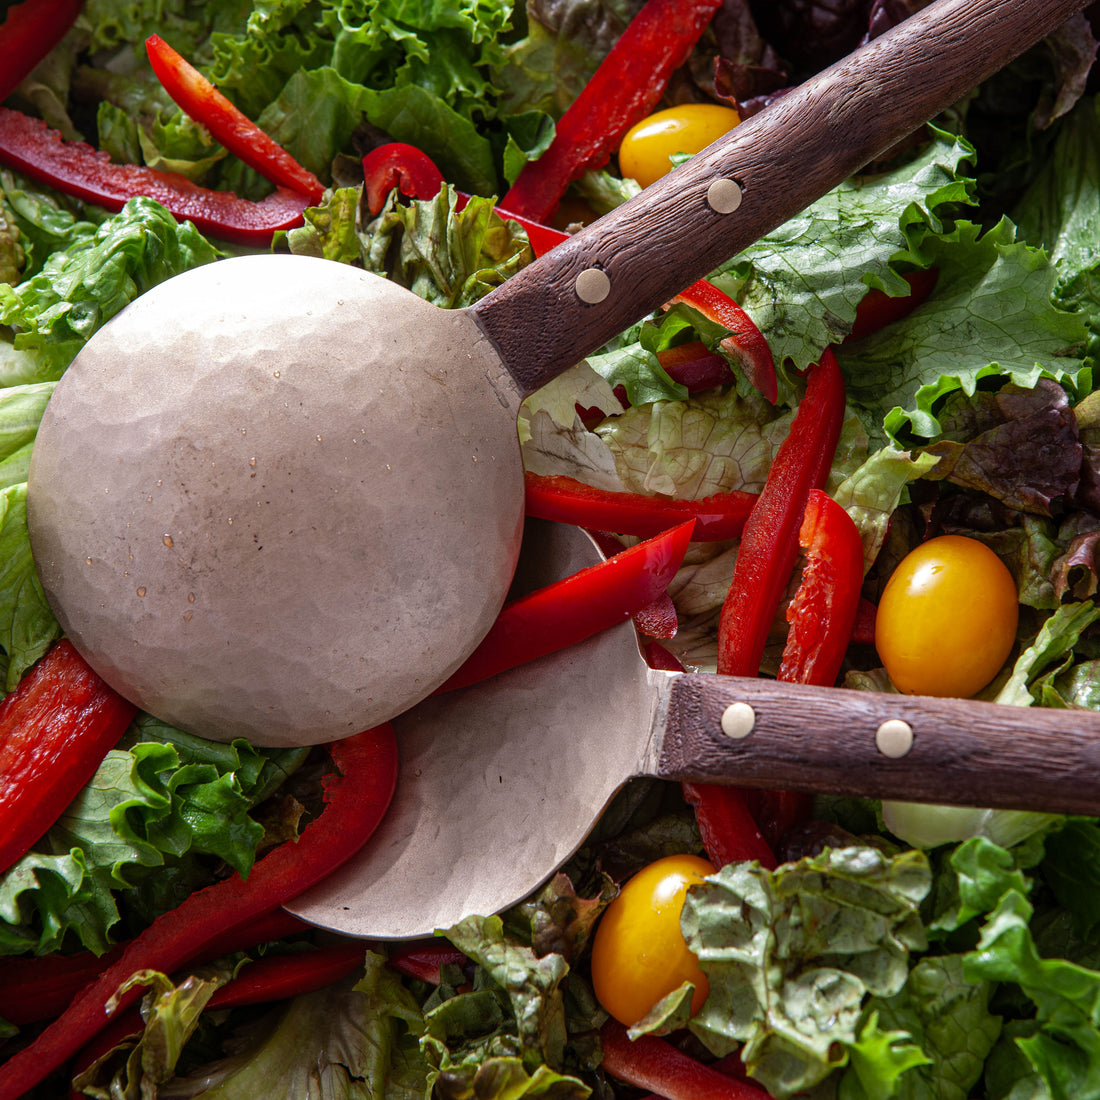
845,948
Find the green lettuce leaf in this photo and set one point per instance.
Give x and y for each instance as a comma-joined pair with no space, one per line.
709,443
347,1042
802,282
143,832
990,316
1064,1047
1058,211
316,112
531,984
792,955
951,1031
83,286
448,256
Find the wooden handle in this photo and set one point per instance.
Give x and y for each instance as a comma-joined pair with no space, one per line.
550,315
839,741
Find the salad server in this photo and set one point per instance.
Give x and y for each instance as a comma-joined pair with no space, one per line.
531,758
279,499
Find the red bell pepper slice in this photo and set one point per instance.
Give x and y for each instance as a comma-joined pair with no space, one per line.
658,619
577,607
823,611
356,797
273,978
863,629
55,729
77,169
625,89
398,165
729,832
555,497
768,551
423,960
29,32
769,545
197,97
40,987
877,309
746,343
655,1064
694,366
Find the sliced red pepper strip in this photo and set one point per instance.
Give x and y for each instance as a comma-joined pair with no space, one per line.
273,978
863,629
356,797
197,97
423,960
55,729
402,166
658,619
655,1064
769,545
721,516
776,813
823,610
877,309
77,169
625,89
40,987
746,343
29,32
728,830
577,607
695,366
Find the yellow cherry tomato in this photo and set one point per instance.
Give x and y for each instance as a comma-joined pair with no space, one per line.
645,151
639,954
947,618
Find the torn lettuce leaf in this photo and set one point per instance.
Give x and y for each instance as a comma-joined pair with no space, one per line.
144,828
991,315
802,282
792,955
83,286
1063,1046
448,256
1059,211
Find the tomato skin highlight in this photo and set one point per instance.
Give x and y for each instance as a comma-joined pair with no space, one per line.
947,619
638,953
645,150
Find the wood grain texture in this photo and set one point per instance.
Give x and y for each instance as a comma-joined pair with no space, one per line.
784,158
823,739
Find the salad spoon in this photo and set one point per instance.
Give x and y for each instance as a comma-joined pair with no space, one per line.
527,761
281,498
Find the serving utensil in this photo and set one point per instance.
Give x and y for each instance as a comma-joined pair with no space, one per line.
501,782
280,498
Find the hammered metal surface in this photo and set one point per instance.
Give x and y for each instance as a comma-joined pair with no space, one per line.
278,498
499,783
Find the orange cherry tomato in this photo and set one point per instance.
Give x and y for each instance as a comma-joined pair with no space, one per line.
947,619
639,954
645,151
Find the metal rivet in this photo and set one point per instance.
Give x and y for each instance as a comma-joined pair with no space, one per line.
592,285
894,738
738,720
724,196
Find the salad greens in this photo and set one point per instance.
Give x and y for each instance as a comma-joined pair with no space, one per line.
897,951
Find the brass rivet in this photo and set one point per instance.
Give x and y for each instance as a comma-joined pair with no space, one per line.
724,196
738,720
592,285
894,738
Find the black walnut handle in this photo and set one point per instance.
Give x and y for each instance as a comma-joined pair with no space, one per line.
636,258
838,741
